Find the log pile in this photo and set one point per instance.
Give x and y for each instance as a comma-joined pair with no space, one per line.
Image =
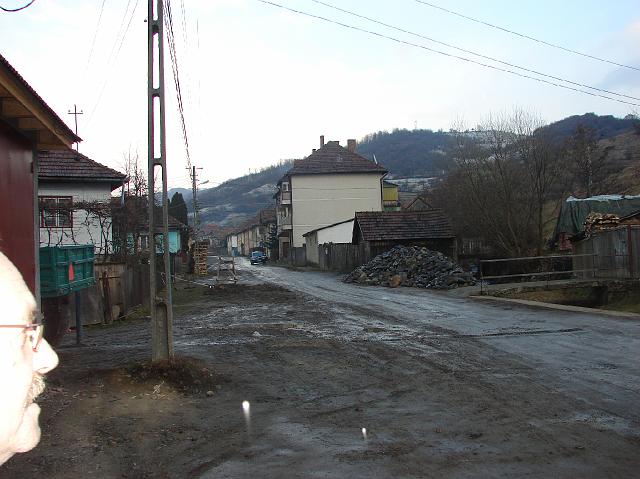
413,267
600,222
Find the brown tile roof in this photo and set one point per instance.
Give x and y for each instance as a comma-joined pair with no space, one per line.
333,158
73,166
398,225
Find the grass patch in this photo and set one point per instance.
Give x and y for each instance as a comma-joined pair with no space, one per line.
629,304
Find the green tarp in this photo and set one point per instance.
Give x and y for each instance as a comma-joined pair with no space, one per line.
575,211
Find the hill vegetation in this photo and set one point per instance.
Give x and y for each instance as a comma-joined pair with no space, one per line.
428,153
235,200
408,153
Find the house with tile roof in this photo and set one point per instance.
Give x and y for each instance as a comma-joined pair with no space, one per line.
68,180
325,188
27,124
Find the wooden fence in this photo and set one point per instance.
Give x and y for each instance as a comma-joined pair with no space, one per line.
615,253
342,257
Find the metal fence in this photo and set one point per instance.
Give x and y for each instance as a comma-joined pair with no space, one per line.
535,268
553,267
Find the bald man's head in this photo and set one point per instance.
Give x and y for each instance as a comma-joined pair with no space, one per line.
24,359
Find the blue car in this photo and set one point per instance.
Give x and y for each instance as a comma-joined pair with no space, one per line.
258,257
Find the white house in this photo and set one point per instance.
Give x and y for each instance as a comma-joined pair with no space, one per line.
68,179
341,232
325,188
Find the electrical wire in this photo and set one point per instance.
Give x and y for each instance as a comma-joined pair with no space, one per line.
522,35
439,52
168,19
113,55
95,34
13,10
475,53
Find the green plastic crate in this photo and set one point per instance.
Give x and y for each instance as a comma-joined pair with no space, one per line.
54,269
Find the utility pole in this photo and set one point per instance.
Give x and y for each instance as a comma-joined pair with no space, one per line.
75,114
161,304
201,248
194,195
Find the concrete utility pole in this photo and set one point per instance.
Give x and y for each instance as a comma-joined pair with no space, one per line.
161,304
75,114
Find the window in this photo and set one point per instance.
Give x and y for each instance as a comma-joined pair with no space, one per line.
285,186
56,211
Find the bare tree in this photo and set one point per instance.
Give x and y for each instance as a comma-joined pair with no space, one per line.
506,174
586,164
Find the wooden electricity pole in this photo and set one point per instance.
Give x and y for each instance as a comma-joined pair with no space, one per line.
161,305
75,114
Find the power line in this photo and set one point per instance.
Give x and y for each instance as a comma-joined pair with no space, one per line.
475,53
113,55
168,19
13,10
475,62
522,35
95,34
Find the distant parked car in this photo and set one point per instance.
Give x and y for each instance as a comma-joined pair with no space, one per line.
258,257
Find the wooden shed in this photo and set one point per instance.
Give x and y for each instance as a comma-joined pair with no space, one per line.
382,230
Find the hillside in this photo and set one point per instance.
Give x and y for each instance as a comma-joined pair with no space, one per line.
422,154
235,200
605,126
408,153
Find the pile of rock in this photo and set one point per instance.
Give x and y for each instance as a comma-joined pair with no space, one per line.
411,266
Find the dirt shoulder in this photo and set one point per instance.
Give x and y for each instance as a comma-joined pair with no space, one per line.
435,405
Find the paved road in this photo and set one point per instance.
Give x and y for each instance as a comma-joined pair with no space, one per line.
583,368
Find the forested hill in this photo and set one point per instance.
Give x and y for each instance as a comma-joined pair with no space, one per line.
235,200
605,126
407,153
410,153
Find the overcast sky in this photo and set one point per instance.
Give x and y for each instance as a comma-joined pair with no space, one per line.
260,84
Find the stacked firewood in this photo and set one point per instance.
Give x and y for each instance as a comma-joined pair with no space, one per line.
600,222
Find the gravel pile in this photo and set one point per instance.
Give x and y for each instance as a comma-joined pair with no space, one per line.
411,266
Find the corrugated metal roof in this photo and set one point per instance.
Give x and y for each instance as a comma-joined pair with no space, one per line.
397,225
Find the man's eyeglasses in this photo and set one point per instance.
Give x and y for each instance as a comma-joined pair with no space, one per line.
34,331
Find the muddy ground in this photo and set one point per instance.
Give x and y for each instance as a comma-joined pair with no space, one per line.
440,405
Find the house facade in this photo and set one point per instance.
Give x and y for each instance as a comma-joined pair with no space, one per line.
27,124
74,196
254,234
341,232
325,188
390,196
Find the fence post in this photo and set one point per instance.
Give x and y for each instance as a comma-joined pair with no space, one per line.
630,252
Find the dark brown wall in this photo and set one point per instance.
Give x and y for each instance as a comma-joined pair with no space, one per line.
17,203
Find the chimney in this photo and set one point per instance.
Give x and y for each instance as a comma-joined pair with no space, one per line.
321,141
313,151
351,146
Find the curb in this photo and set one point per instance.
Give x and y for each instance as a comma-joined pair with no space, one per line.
559,307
